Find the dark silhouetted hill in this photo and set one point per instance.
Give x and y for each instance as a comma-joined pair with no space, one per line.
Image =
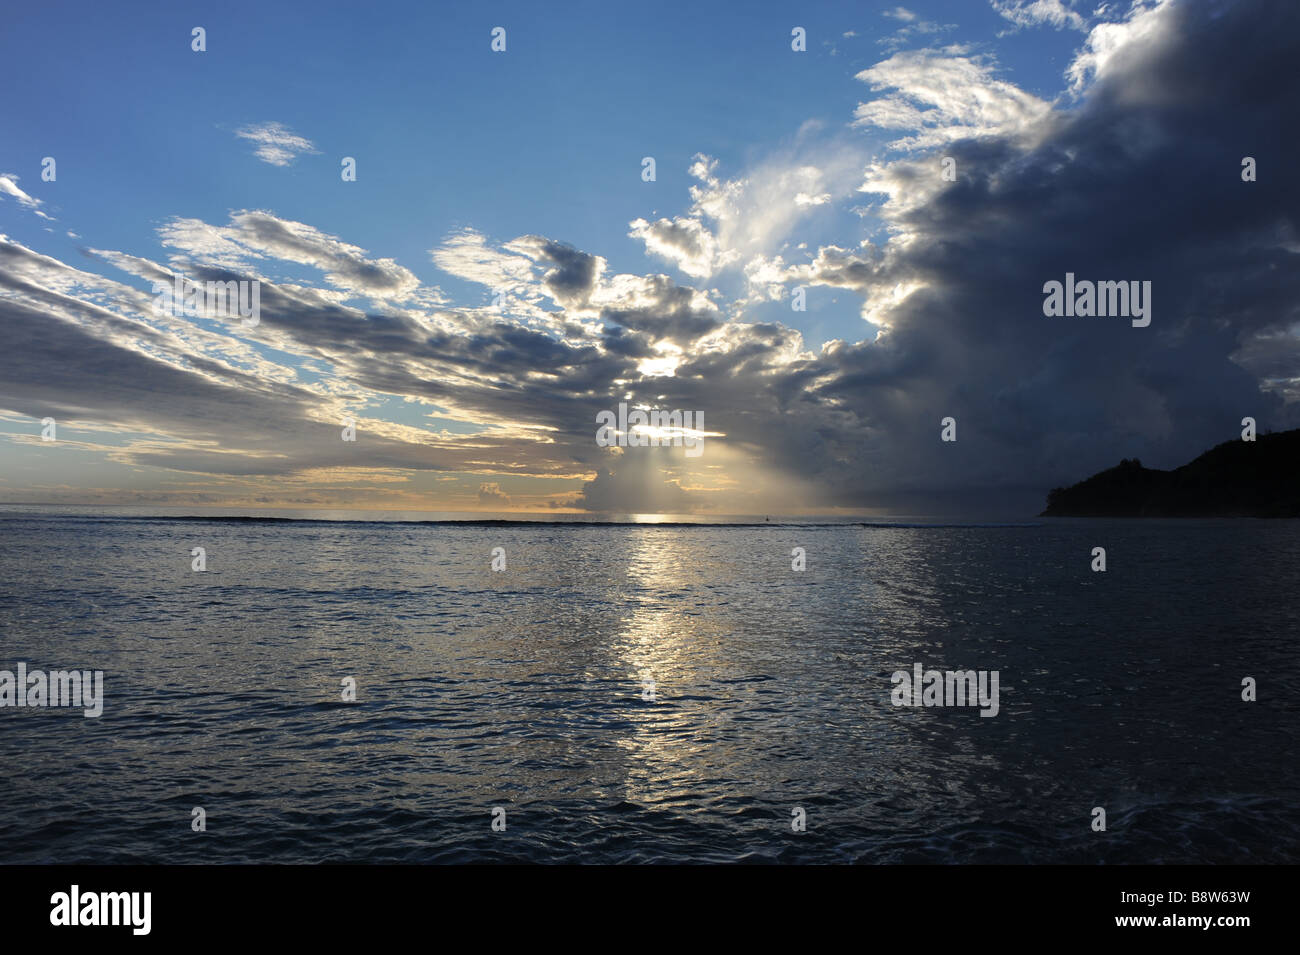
1259,478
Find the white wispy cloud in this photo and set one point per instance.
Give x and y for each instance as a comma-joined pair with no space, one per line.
256,234
276,143
9,187
1030,13
939,97
733,220
1145,27
912,28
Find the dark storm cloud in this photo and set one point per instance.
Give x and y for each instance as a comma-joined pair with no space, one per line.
1140,182
574,277
674,314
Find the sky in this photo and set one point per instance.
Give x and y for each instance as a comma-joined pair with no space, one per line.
853,213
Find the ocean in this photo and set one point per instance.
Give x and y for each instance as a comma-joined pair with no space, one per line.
629,693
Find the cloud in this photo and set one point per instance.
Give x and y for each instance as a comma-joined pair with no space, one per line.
733,220
951,283
634,490
1128,45
1028,13
259,235
467,255
276,143
490,493
941,98
686,242
571,276
1093,191
912,29
9,187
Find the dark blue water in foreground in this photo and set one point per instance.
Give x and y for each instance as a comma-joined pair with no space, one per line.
523,690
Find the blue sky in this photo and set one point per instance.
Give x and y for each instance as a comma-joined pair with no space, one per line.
547,137
790,154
